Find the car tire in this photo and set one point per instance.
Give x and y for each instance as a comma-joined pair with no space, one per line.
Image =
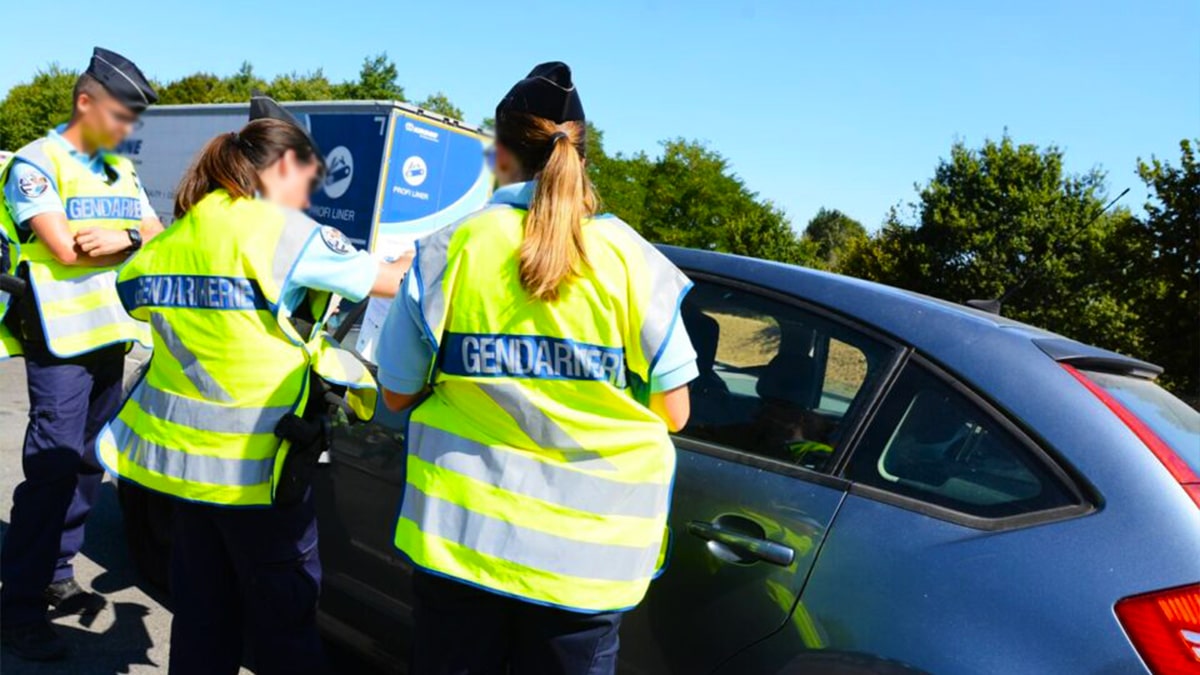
147,518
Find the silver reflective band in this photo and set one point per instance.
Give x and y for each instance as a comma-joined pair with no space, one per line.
352,369
666,285
523,546
431,267
195,371
545,481
187,466
297,231
58,327
540,429
204,416
53,290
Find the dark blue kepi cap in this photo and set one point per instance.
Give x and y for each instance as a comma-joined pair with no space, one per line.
263,107
546,92
122,78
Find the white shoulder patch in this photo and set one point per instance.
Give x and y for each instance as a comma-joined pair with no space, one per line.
335,240
31,182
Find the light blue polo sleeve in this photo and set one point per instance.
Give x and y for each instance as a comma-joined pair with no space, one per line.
147,208
404,352
28,193
329,262
676,366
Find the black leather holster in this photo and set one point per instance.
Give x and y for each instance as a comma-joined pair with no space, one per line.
309,436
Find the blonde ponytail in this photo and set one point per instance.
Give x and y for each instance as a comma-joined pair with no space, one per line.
552,251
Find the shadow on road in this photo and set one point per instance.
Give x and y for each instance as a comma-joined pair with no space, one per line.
131,634
124,644
118,638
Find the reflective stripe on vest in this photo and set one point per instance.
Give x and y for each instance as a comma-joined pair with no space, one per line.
10,346
535,468
185,466
228,365
78,305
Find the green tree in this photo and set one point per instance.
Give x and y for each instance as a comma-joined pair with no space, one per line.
312,86
690,197
195,88
833,233
241,85
1006,221
1162,270
31,108
378,79
209,88
439,103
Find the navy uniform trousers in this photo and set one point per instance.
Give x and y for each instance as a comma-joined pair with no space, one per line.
70,400
245,580
464,630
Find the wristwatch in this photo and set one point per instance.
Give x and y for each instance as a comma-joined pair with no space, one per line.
135,238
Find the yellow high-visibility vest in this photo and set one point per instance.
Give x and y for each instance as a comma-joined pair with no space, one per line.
78,305
535,468
227,363
10,346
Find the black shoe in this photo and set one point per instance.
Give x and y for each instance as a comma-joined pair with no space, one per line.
33,642
67,598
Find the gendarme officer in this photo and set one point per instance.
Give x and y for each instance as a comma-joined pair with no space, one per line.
76,212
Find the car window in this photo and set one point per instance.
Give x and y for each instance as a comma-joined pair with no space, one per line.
930,442
845,372
775,380
1174,421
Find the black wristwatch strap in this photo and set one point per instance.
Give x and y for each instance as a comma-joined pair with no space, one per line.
135,238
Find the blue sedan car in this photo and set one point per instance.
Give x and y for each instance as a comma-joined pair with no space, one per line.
872,481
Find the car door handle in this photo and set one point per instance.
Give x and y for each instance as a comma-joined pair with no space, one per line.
757,548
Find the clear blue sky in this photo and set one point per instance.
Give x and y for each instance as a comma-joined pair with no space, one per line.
840,104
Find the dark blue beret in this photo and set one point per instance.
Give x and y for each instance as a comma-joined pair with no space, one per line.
122,78
546,92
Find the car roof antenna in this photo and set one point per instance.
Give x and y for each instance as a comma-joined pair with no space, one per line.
993,305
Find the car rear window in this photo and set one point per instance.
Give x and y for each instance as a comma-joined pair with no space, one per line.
1175,422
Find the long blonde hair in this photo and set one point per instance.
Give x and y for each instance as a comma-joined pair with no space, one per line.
552,250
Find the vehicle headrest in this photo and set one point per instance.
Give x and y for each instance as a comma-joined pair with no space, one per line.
787,377
705,333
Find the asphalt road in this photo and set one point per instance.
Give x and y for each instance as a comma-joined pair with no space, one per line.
132,634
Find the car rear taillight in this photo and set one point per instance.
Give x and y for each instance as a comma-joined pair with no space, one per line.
1165,628
1174,463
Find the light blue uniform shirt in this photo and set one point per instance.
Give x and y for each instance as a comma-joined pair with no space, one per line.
329,262
28,194
404,352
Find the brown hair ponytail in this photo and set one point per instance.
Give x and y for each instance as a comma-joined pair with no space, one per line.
232,161
552,250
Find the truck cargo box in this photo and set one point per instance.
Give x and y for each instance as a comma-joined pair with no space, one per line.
394,171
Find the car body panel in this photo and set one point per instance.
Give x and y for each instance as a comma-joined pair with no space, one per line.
704,608
945,598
